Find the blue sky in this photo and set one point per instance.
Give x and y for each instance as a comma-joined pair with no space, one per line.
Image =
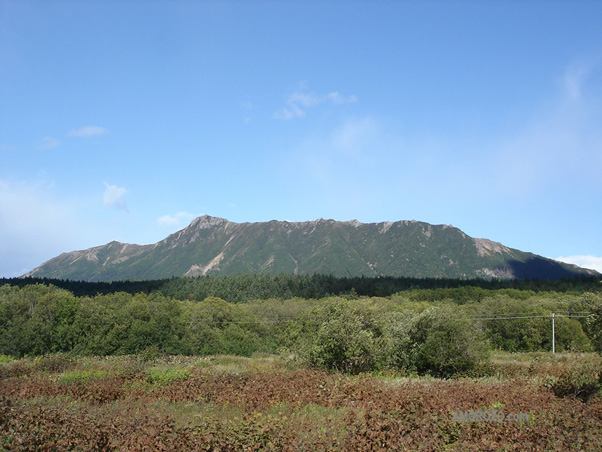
125,120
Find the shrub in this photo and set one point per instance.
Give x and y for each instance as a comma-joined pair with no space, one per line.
162,377
5,359
57,362
443,343
396,335
82,376
346,339
582,382
593,324
149,354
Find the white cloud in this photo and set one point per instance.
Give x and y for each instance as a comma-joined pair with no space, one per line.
560,147
576,76
304,99
48,143
248,107
299,101
592,262
177,221
356,135
348,169
87,131
292,112
34,225
113,197
338,99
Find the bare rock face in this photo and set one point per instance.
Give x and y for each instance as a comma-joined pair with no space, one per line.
206,222
214,246
487,247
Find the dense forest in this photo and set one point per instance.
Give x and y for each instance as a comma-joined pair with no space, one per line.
244,288
444,330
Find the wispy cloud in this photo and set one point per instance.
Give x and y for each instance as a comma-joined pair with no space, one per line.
576,76
563,142
113,197
300,101
34,224
48,143
591,262
87,131
355,136
348,169
177,221
337,98
557,152
247,107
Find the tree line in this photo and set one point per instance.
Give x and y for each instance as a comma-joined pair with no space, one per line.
242,288
437,331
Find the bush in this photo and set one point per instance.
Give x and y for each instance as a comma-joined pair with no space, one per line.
443,343
346,339
150,354
582,382
593,324
83,376
53,363
396,335
162,377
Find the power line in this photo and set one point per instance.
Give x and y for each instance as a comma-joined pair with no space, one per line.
288,319
533,317
505,314
552,316
251,322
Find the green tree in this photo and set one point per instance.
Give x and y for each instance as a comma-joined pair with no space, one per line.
36,319
347,338
593,324
443,343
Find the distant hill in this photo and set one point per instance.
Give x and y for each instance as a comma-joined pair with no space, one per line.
214,246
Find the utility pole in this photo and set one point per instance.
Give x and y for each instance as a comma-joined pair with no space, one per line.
553,335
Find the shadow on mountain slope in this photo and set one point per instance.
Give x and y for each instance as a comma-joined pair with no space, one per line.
540,268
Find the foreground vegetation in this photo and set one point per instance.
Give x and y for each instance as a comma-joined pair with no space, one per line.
58,402
441,332
458,368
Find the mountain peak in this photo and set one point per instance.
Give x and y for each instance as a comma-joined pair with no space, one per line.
206,222
355,223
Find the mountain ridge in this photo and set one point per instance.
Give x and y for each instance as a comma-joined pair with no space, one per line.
213,245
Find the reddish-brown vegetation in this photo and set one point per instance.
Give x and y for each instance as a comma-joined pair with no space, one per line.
282,409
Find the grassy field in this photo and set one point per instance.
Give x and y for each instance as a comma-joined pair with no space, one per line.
268,402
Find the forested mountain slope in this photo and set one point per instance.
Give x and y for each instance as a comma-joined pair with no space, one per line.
215,246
